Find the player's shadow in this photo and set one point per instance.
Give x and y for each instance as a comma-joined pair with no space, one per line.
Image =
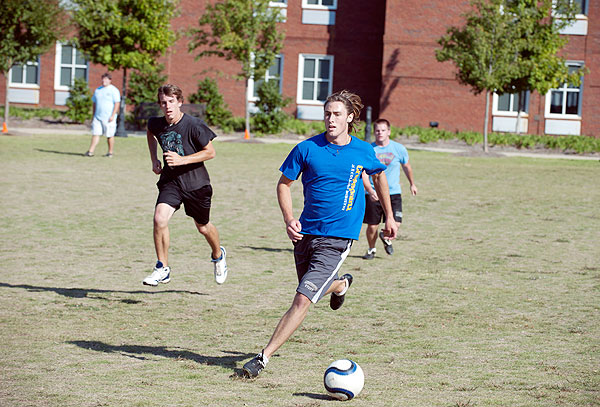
315,396
84,292
41,150
268,249
138,352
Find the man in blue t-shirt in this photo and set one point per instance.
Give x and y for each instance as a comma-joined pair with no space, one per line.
331,165
106,101
394,156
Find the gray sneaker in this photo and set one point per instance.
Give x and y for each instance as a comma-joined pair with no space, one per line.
387,244
254,366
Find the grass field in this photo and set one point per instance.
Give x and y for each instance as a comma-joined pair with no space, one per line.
491,299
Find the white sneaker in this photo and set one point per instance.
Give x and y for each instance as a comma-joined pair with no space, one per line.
159,275
220,267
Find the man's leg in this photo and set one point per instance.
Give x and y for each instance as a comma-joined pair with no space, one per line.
162,215
93,144
111,144
372,235
211,234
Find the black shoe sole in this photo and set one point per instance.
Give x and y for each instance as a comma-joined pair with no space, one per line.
336,301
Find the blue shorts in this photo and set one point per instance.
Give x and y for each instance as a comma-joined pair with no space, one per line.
318,259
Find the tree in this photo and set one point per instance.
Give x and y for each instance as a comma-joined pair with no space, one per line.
243,30
27,29
142,88
124,34
510,46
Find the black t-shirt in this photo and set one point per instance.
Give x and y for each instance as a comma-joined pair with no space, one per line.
186,137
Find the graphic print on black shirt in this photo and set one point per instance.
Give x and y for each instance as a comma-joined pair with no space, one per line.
171,141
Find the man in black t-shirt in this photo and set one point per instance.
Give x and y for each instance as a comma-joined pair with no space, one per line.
186,143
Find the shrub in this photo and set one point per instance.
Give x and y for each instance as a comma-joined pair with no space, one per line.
217,112
143,85
79,102
270,118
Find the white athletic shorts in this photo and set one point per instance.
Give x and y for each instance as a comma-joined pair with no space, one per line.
104,128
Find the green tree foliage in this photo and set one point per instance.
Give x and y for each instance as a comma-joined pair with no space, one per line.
27,29
124,34
510,46
217,112
143,85
79,102
270,118
243,30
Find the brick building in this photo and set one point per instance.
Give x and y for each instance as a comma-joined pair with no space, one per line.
383,50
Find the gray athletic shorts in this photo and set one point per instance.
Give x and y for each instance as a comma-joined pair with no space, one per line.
318,259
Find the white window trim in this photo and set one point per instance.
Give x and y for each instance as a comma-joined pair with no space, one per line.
251,97
301,58
57,68
497,112
26,85
305,5
548,98
274,4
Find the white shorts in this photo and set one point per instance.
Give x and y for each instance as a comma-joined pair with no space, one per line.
104,128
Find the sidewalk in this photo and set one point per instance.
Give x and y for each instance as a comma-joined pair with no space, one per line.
271,140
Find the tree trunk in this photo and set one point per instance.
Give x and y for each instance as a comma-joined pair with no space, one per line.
6,104
486,121
121,125
247,132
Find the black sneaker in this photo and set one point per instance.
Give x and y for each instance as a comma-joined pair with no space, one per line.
387,244
254,366
370,255
336,301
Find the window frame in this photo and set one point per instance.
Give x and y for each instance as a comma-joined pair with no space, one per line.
511,113
58,65
301,59
266,78
565,90
24,84
282,3
319,6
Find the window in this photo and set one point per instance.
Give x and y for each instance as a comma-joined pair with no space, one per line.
583,6
70,64
509,102
272,74
319,4
566,100
278,3
27,75
315,78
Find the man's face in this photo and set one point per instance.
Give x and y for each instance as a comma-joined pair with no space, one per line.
336,119
382,133
170,107
106,81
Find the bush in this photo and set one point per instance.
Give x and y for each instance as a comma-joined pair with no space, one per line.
270,118
217,111
39,113
143,86
79,102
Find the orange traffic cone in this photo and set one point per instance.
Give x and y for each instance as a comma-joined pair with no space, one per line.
4,129
246,135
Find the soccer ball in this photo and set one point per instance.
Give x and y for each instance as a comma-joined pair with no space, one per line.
344,379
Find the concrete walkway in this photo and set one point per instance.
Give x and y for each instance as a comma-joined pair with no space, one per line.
270,140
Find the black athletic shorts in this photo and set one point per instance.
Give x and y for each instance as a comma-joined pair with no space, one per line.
196,203
318,259
374,214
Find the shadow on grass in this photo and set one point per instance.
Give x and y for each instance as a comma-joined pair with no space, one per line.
41,150
137,352
315,396
83,292
268,249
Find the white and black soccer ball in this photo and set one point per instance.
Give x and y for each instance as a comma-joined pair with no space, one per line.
344,379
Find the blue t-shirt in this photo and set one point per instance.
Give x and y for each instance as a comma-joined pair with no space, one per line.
392,156
105,98
334,200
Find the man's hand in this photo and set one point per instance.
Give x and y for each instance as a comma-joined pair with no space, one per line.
373,196
293,228
173,159
111,118
156,166
413,189
390,230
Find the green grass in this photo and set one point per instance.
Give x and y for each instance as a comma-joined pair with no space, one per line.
491,298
